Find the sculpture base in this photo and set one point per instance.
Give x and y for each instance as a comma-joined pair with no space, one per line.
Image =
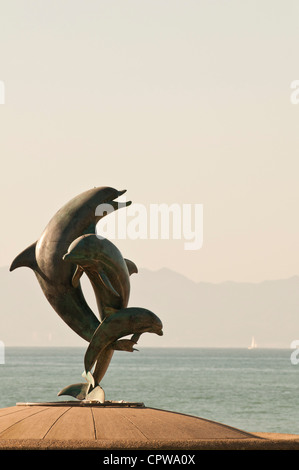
122,426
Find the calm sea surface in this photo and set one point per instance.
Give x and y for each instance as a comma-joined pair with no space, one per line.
254,390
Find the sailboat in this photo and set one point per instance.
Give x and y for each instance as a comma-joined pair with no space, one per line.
253,344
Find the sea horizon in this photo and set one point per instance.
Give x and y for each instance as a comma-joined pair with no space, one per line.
253,390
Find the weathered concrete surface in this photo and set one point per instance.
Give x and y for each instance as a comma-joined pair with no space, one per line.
68,426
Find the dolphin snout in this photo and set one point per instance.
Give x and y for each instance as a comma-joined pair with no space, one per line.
157,329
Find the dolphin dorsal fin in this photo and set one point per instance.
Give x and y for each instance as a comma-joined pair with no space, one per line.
25,258
77,275
132,268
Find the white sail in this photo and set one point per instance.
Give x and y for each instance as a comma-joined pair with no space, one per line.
253,344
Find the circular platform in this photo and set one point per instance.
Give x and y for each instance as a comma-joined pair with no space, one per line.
77,425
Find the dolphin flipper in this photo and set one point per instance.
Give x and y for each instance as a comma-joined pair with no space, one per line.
124,345
77,275
105,280
25,258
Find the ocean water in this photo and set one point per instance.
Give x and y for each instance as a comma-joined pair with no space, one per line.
254,390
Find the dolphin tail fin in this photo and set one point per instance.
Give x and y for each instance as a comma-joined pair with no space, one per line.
25,258
97,394
78,391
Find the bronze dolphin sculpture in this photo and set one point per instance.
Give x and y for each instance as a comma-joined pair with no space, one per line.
58,265
54,275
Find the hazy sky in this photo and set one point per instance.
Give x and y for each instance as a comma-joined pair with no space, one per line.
182,102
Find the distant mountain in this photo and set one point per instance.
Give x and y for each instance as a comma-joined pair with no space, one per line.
220,315
193,314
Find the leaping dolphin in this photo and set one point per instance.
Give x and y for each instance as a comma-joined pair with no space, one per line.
128,321
106,269
54,275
